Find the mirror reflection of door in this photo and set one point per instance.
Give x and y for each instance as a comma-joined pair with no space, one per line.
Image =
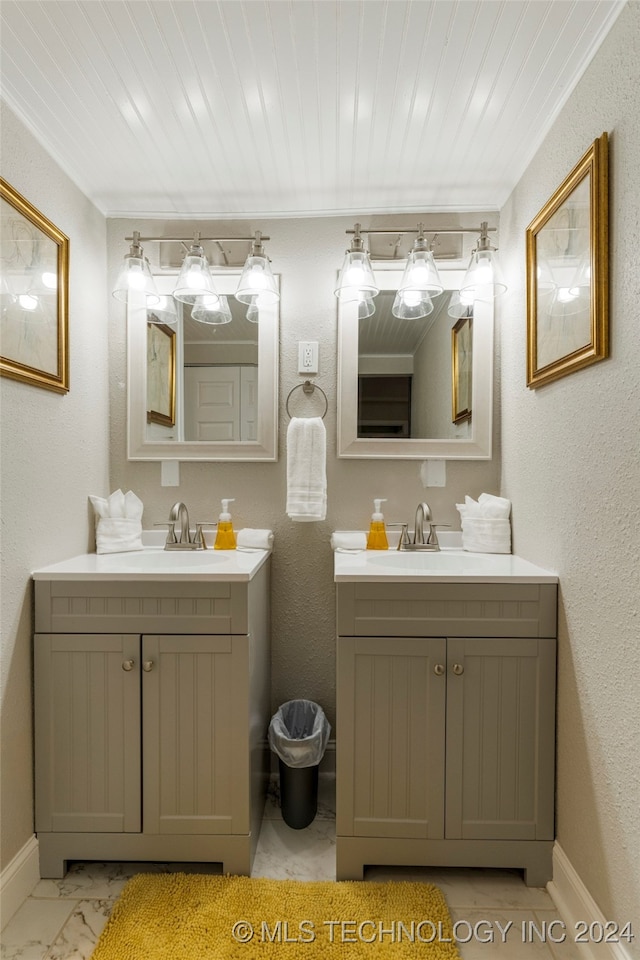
404,374
217,385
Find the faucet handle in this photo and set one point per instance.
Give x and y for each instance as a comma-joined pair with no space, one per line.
433,536
404,533
198,537
171,532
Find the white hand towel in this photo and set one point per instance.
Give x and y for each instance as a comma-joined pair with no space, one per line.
349,540
306,469
498,507
260,539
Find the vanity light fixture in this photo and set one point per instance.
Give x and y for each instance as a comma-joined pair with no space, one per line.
257,280
483,279
194,279
135,275
257,284
356,280
421,274
420,280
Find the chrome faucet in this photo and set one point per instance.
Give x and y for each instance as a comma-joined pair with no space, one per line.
180,515
423,515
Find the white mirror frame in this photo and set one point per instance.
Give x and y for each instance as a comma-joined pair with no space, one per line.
476,447
140,448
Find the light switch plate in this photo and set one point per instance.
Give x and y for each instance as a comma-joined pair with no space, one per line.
308,356
170,473
433,473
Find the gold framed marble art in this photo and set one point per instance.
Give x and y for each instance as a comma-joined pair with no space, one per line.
34,296
567,273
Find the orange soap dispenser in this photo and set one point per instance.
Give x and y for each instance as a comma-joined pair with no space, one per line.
377,539
225,537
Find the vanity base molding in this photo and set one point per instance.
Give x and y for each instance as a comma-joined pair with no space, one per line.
354,853
234,852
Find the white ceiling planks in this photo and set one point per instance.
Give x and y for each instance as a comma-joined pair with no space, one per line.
245,108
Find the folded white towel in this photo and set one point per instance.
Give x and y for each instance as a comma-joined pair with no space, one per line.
118,535
485,506
486,535
261,539
118,522
306,469
349,540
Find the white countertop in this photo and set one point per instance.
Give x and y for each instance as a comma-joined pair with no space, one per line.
156,563
443,566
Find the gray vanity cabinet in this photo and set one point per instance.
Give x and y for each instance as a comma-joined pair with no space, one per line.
151,745
445,749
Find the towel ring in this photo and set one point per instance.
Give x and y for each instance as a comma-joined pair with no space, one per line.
307,387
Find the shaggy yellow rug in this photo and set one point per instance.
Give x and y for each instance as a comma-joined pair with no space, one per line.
179,916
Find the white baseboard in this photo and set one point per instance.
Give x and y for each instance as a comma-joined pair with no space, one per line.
576,906
18,879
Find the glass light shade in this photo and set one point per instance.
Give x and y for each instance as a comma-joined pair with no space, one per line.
412,304
483,278
211,310
162,312
460,304
366,307
582,278
194,279
135,276
257,280
356,277
253,313
421,274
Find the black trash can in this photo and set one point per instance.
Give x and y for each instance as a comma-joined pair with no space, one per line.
298,735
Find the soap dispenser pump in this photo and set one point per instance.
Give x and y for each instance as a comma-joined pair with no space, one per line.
225,537
377,539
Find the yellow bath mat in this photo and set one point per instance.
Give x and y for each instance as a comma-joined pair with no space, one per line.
179,916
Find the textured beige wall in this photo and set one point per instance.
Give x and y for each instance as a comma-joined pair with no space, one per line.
571,464
307,254
54,453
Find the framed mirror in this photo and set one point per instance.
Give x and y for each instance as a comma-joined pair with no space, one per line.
225,383
396,379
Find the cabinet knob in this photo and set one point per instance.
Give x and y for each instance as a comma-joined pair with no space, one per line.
458,669
147,666
127,665
439,669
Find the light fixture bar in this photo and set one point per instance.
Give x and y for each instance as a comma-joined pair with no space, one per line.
395,233
189,240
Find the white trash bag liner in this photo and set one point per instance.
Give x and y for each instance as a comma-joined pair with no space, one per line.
298,733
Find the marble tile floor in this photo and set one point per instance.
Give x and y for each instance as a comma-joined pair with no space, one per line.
62,919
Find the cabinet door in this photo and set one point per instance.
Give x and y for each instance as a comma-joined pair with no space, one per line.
87,732
390,758
195,734
500,738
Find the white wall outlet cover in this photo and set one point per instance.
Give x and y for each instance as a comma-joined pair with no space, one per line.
308,353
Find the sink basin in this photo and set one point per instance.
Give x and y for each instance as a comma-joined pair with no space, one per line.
434,562
444,566
163,560
155,563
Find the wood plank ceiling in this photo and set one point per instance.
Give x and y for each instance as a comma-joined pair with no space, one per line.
248,108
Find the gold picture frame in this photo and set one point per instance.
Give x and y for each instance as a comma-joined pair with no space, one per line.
34,295
461,369
567,273
161,374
